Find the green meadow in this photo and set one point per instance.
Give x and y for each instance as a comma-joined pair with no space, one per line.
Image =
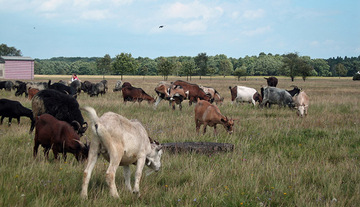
279,159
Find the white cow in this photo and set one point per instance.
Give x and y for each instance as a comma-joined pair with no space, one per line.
122,142
245,94
301,103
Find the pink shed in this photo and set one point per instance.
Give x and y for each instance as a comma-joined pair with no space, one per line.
16,67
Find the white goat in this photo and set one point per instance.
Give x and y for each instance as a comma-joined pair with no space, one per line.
121,142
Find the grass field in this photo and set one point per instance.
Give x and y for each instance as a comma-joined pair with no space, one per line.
279,158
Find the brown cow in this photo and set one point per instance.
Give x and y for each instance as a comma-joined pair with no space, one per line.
58,136
32,92
131,93
208,114
193,90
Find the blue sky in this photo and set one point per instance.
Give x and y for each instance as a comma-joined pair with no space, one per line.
92,28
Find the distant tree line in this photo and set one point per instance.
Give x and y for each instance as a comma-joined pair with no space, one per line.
291,65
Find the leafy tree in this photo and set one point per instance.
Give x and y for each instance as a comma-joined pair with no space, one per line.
321,67
225,67
304,68
211,71
147,63
188,69
340,70
165,67
103,65
9,51
201,61
291,61
240,71
124,64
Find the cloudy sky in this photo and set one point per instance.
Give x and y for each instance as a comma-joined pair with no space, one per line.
92,28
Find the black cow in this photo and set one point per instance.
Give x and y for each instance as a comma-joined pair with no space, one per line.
272,81
96,89
20,88
76,85
7,85
86,86
61,106
14,109
62,88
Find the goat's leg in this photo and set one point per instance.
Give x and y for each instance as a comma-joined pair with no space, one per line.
92,158
10,118
173,105
116,153
139,168
215,133
205,125
2,119
127,175
36,147
46,153
198,124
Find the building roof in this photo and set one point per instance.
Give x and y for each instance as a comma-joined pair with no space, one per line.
15,58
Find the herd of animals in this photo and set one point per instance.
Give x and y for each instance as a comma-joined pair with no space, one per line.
58,122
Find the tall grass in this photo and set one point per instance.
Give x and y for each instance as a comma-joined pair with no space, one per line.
279,159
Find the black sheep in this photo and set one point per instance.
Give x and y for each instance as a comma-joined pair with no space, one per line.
63,107
14,109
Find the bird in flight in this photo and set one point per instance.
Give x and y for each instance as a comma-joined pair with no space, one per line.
161,26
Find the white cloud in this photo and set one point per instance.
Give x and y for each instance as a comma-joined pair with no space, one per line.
95,15
254,14
191,18
257,31
50,5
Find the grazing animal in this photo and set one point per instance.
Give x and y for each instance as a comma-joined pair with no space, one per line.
32,92
193,90
122,142
177,95
76,85
38,85
96,89
62,88
209,114
245,94
173,93
59,136
131,93
14,109
272,95
301,103
20,88
105,82
63,107
117,86
213,94
272,81
162,90
7,85
86,86
294,91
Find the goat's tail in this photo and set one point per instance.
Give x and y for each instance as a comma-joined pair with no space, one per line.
97,127
92,113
